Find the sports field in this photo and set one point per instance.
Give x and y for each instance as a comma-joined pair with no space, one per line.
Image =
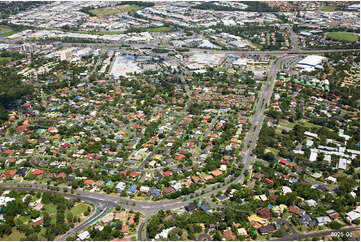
343,36
108,11
329,8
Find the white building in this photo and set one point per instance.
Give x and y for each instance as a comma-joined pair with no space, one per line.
144,189
351,216
163,234
83,236
313,135
342,164
286,190
311,62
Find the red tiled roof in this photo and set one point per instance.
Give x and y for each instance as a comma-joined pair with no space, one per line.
89,182
134,174
269,181
124,173
216,172
167,173
37,172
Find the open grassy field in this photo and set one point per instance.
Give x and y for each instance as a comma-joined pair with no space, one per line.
329,8
79,209
343,36
5,59
5,27
287,125
108,11
50,208
8,33
160,29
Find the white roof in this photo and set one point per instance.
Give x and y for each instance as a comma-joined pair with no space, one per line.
120,185
312,60
313,156
311,134
311,202
286,189
342,164
84,235
144,189
353,215
164,233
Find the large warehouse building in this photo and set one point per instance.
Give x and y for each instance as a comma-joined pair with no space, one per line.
311,62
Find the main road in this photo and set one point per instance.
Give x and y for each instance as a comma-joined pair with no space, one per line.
113,46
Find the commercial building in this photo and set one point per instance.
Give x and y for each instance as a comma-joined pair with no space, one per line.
311,63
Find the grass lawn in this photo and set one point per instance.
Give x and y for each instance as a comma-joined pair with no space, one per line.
5,58
5,28
79,209
9,33
287,125
53,219
50,208
343,36
108,11
329,8
164,44
163,29
311,125
14,236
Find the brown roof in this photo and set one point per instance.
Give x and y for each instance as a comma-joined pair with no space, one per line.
334,215
229,235
99,183
168,190
39,222
336,175
273,196
61,175
9,173
257,176
264,213
296,210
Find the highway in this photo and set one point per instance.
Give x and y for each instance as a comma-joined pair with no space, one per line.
112,46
